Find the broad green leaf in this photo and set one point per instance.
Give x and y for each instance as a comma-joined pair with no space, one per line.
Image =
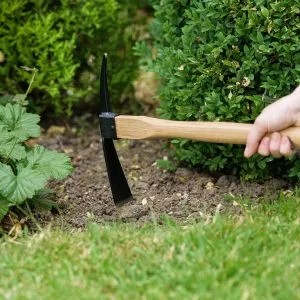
11,149
18,122
49,163
5,134
4,207
264,11
17,188
10,146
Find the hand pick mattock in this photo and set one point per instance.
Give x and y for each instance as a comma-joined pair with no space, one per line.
114,126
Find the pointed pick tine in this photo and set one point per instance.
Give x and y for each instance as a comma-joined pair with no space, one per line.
104,97
119,186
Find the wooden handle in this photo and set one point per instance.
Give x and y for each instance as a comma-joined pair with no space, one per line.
140,127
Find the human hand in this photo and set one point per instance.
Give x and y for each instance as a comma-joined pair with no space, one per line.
279,115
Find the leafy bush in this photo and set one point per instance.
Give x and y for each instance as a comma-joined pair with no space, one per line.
225,61
65,40
24,170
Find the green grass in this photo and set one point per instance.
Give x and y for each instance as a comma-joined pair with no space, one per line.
256,256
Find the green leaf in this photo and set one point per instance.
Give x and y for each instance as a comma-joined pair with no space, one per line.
10,146
18,122
10,149
49,163
166,165
259,37
17,188
265,12
4,207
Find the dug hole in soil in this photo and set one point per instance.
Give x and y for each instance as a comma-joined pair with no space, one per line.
184,195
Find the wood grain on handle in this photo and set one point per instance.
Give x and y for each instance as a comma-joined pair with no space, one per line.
141,127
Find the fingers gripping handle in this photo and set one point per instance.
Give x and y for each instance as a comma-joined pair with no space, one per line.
294,134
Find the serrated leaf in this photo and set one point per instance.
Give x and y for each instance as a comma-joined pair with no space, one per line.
9,145
49,163
17,188
4,207
10,149
18,122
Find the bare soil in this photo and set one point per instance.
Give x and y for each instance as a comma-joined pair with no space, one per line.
182,195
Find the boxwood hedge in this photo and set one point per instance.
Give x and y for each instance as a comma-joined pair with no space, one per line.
225,60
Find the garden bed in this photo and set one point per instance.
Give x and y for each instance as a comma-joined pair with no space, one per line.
182,195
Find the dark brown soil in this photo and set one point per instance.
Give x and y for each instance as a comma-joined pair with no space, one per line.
183,195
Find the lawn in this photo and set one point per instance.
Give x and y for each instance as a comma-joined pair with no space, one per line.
253,256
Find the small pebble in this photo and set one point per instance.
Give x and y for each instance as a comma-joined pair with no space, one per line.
209,186
144,201
223,181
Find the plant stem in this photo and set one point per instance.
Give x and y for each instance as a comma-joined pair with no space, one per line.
34,70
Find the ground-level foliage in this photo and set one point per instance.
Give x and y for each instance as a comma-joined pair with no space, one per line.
254,256
25,167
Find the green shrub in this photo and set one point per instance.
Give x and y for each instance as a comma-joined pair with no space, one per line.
225,60
65,41
24,170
